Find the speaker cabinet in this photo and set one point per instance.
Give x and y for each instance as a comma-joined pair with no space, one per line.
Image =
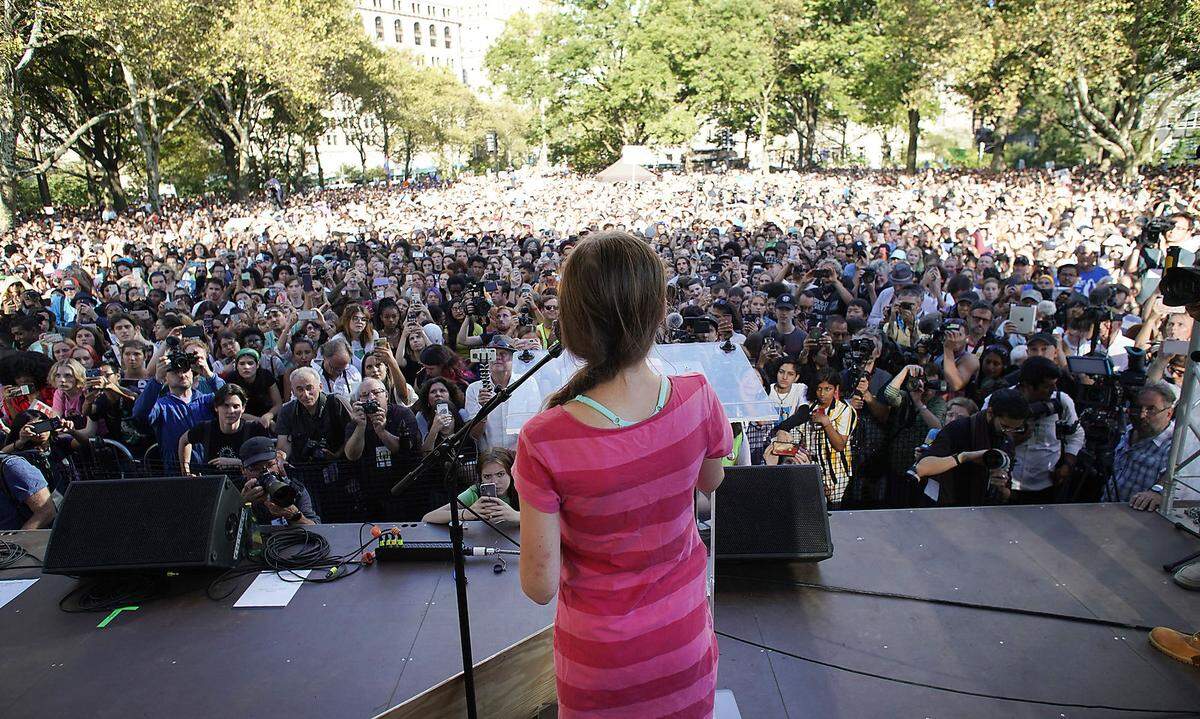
776,512
159,524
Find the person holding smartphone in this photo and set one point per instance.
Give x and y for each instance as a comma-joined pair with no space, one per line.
494,498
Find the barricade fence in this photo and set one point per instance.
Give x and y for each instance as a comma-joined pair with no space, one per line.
341,491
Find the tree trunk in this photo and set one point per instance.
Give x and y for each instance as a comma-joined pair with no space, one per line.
320,169
407,156
9,122
35,149
114,194
810,128
764,115
998,144
914,135
147,136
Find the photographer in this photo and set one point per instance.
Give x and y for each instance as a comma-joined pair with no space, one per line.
170,405
1046,451
50,444
784,338
917,407
312,427
900,325
1112,343
267,483
491,433
966,464
957,362
381,448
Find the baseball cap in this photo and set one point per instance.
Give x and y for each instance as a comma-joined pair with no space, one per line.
1031,295
257,449
501,342
899,255
1020,260
247,352
1043,337
901,272
84,297
786,301
967,297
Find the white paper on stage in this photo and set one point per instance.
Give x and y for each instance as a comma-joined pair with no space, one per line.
735,381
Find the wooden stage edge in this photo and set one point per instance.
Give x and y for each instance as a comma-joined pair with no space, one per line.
514,683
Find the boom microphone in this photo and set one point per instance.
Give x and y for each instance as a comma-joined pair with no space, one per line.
674,321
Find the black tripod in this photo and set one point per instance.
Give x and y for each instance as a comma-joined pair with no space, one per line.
447,455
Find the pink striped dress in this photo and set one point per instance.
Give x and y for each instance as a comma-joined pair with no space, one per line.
633,635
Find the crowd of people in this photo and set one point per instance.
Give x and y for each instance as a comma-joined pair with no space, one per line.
944,339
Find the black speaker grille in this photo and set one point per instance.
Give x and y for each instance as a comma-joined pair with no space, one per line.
163,522
772,512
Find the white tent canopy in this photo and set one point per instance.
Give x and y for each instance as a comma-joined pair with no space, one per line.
621,171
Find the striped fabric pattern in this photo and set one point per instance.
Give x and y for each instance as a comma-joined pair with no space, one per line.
633,635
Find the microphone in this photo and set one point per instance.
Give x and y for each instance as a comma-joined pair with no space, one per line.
674,321
430,552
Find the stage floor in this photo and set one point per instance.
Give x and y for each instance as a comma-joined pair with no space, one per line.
351,648
1097,561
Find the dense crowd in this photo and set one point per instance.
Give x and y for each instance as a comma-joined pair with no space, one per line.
949,338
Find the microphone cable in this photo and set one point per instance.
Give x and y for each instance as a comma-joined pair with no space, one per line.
11,553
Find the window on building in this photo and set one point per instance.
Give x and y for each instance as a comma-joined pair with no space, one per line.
432,36
416,33
378,28
446,36
398,29
414,8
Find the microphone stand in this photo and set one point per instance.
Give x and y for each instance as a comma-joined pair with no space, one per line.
447,454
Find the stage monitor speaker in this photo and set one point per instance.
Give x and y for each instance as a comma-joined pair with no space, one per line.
771,513
159,524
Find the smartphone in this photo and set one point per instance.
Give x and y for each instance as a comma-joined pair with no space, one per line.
1174,347
380,282
1023,319
306,280
193,331
487,489
308,315
784,449
53,339
92,373
141,314
443,409
241,304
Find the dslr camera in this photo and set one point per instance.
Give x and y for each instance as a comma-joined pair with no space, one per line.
370,407
177,359
278,489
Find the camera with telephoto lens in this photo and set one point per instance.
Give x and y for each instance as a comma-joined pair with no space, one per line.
934,329
995,459
1041,409
279,490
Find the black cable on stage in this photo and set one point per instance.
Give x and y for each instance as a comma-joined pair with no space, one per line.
11,553
105,594
947,602
295,549
963,692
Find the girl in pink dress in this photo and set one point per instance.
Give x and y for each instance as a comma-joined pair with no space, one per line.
607,476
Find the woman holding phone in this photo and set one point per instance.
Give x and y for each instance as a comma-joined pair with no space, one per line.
494,498
820,430
607,476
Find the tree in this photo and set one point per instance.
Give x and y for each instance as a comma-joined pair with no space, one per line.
1124,64
597,78
27,31
73,82
896,65
269,52
164,51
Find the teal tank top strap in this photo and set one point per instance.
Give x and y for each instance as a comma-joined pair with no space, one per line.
663,391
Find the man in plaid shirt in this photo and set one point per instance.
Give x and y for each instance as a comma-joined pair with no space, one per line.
1141,456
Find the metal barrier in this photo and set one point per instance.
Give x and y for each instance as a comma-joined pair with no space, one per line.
342,491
